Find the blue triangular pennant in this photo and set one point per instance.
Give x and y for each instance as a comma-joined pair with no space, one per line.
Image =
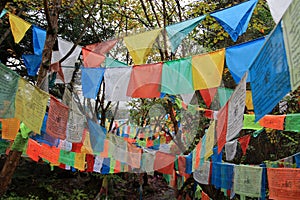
97,136
32,63
39,38
91,79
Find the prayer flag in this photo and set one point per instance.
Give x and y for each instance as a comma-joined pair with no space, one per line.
208,95
278,8
8,86
207,69
244,142
51,154
97,136
91,79
235,25
201,174
79,161
31,105
102,47
140,45
224,94
177,32
32,63
110,63
18,27
38,39
10,128
249,103
92,59
145,81
249,123
3,12
134,156
33,150
273,121
240,57
270,78
230,149
67,157
221,127
292,122
63,48
57,119
164,163
177,77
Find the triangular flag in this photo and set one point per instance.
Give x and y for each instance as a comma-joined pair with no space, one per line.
244,142
38,38
18,27
230,149
224,94
102,47
240,57
139,45
92,59
278,8
208,95
221,127
32,63
145,81
208,69
110,62
187,98
3,12
235,24
97,136
177,32
63,48
56,67
91,79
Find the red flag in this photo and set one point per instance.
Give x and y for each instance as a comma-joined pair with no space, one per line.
204,196
91,59
273,121
208,95
145,81
222,118
90,160
244,141
56,67
181,165
164,163
33,150
102,47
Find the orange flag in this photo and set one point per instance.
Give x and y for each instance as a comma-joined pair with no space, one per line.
104,153
273,121
204,196
164,163
33,150
91,59
10,128
284,183
134,156
145,81
51,154
196,155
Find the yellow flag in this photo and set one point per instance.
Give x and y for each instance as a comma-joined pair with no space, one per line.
18,27
249,103
210,140
139,45
31,105
79,162
87,146
207,69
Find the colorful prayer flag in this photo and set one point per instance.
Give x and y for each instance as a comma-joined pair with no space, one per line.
18,27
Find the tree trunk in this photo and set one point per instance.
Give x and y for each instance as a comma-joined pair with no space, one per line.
8,170
14,156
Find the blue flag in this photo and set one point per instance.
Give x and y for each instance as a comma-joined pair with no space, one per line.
90,80
3,12
269,73
240,57
97,136
177,32
32,63
38,39
235,19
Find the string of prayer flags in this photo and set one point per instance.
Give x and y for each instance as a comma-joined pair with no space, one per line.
8,86
140,45
92,59
102,47
208,95
201,174
10,128
269,74
177,77
273,121
236,106
110,62
3,12
240,57
292,122
30,105
164,163
177,32
278,8
230,149
38,39
91,79
207,69
290,31
237,25
244,142
18,27
247,180
32,63
97,136
285,187
57,119
145,81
